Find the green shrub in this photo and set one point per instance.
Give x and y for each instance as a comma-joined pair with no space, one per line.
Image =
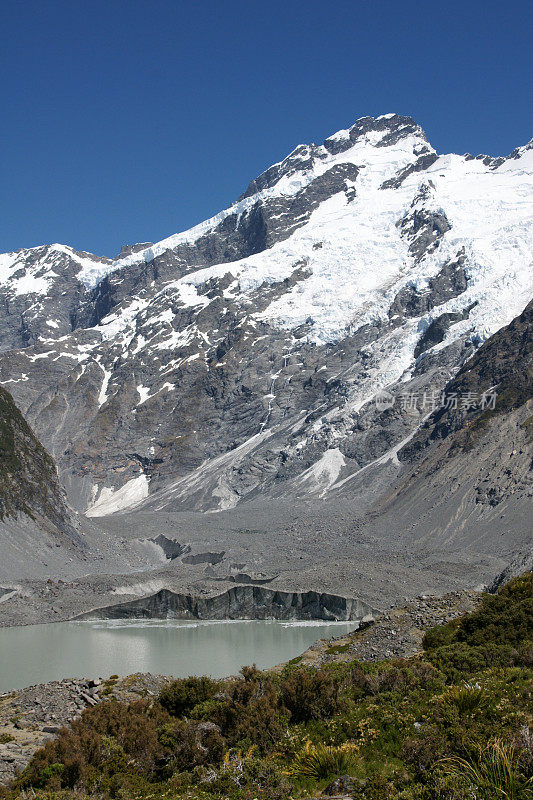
457,661
311,694
467,698
441,635
208,710
399,677
252,713
104,740
337,648
181,696
189,744
502,619
425,750
51,776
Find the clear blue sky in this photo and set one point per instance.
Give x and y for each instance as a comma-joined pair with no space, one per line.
127,121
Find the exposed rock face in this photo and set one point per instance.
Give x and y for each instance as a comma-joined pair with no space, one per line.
502,367
170,548
41,294
522,563
467,473
28,477
242,602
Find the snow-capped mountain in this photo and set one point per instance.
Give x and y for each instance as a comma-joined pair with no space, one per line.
243,357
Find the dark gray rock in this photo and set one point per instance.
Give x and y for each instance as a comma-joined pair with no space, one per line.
424,229
204,558
170,548
436,330
422,163
449,282
341,786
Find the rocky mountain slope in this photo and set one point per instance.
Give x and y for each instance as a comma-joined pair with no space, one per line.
449,510
28,477
466,478
39,533
242,357
32,502
503,366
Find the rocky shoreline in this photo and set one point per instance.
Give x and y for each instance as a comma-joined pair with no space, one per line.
397,633
31,716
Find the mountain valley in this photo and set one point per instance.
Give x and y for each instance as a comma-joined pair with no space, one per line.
331,375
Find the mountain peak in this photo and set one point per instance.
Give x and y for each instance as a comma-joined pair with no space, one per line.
371,132
381,131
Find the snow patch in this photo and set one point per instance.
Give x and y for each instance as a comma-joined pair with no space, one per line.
322,475
102,397
112,500
140,589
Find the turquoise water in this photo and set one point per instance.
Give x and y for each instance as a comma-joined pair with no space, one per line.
40,653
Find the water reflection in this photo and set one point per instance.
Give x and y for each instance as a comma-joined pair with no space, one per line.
40,653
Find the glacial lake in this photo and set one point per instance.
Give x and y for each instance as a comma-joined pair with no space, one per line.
90,649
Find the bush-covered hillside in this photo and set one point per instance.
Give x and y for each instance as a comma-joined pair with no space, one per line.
453,723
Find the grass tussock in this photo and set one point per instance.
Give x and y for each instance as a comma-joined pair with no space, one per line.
323,762
492,773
